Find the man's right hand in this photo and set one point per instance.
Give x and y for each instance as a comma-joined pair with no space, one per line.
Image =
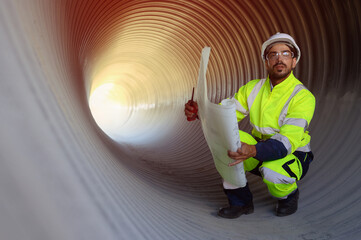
191,110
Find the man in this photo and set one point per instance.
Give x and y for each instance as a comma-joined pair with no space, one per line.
280,110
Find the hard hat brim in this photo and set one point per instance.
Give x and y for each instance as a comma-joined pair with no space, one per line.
280,38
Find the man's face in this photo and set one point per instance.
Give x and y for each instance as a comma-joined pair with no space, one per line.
280,65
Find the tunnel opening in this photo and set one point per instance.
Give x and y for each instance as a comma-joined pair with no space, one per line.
157,180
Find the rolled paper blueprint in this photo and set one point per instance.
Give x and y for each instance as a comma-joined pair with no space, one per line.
220,128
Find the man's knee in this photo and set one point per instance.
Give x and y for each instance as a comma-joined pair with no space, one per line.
279,185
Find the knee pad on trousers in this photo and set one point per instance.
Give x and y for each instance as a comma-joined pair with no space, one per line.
279,186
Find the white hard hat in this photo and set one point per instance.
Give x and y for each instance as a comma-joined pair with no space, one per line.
280,37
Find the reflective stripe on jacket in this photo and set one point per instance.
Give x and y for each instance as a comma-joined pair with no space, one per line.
282,113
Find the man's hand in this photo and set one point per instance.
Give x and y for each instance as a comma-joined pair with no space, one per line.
191,110
246,151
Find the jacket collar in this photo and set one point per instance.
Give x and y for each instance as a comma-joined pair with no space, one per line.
283,84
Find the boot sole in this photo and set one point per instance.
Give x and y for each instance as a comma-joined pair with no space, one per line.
285,214
247,212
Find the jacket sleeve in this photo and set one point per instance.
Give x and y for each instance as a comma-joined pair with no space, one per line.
293,130
269,150
241,97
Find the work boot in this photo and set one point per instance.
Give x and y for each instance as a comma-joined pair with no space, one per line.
235,211
240,202
287,206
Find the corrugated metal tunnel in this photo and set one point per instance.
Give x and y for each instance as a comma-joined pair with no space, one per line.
132,65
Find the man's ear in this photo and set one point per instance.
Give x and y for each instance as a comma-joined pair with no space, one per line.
266,63
294,62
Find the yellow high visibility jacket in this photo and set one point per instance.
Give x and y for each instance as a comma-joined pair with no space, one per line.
283,112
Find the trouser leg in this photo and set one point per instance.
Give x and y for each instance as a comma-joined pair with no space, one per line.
280,175
281,178
240,202
239,196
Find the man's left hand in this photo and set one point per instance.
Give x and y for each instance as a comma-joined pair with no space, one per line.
244,152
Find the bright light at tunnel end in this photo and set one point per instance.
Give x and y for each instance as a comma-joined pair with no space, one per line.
118,117
108,108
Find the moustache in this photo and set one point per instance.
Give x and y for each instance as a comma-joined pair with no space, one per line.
279,64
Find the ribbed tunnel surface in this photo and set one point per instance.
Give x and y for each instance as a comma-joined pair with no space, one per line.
62,177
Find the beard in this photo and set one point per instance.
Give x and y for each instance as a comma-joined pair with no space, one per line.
277,74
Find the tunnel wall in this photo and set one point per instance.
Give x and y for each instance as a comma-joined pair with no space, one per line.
62,177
